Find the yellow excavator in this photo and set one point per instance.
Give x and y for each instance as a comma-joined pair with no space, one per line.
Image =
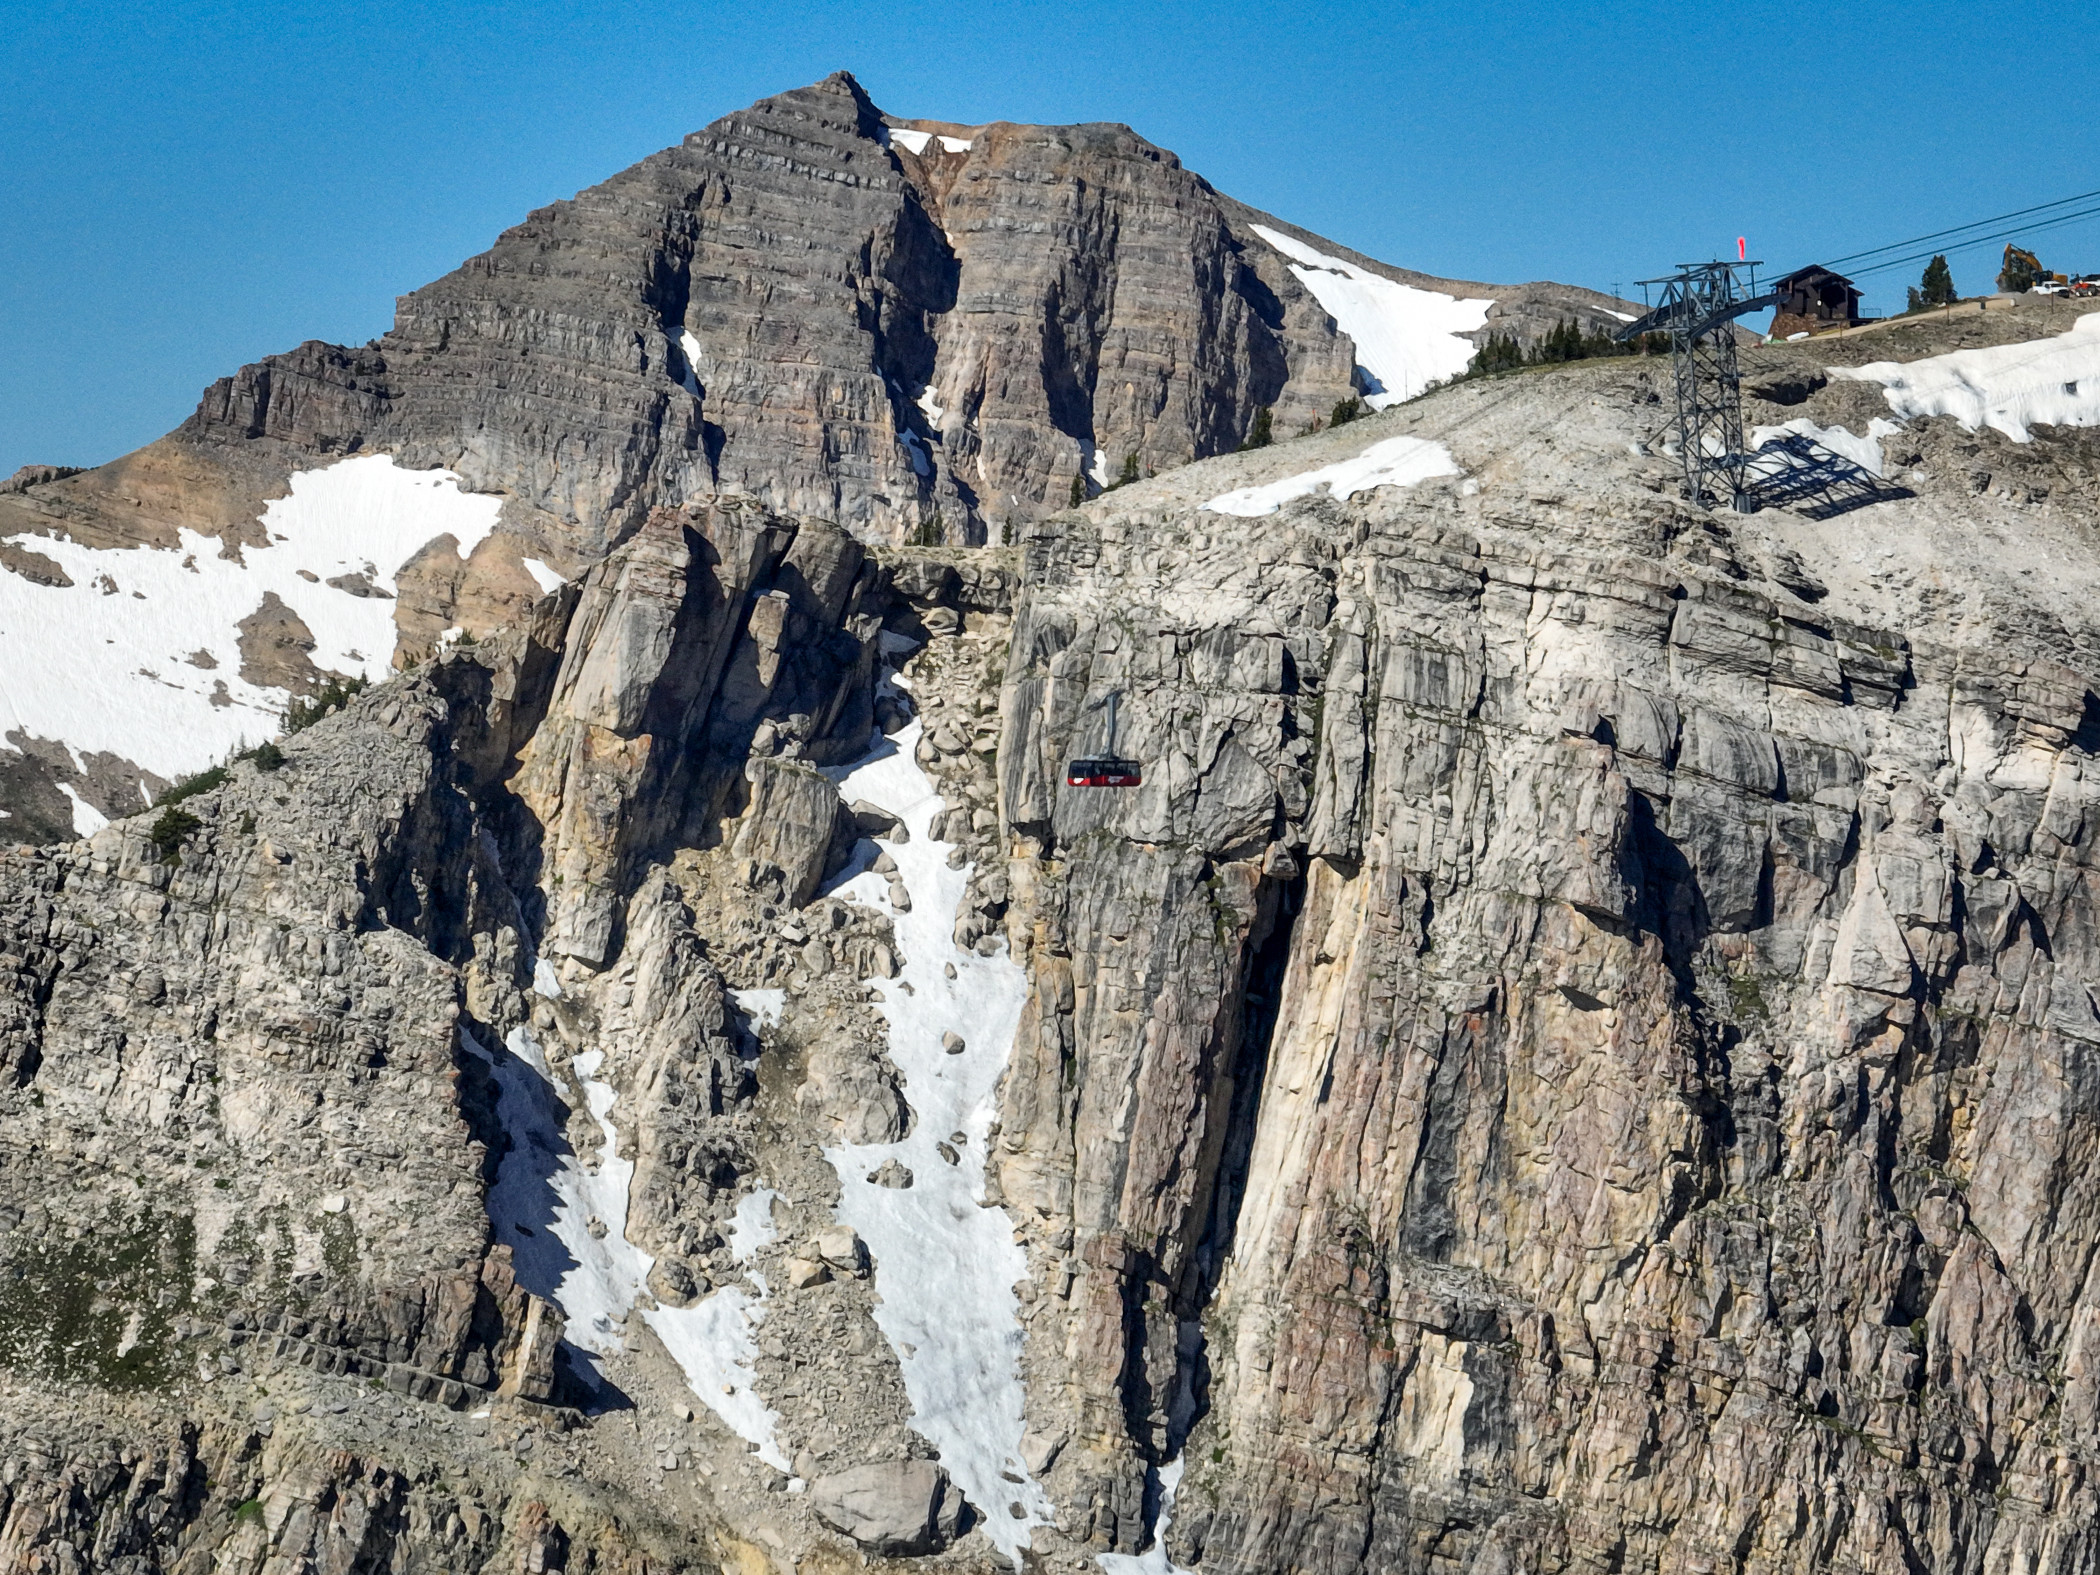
2024,271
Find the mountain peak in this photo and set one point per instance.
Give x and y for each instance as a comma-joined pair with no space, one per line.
921,330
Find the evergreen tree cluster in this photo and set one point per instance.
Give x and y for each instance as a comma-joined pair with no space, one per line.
328,699
1501,353
1564,341
1264,432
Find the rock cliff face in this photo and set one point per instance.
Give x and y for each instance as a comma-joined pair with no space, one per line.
1661,1109
1575,1057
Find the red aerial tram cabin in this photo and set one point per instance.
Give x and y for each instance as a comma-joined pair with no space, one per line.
1105,771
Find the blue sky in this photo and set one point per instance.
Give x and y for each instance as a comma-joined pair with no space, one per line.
194,184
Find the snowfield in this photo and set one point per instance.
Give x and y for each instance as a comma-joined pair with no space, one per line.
1406,338
1865,452
544,1203
140,656
1393,462
945,1264
2046,382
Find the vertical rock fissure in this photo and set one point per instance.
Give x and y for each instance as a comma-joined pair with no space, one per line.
1229,1154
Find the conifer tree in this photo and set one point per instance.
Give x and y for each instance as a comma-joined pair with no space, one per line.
1346,411
1078,491
1264,432
1563,342
1500,353
1937,287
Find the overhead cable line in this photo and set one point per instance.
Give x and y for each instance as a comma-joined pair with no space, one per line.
2023,232
1977,224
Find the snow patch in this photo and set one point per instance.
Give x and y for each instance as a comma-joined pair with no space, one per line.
1406,338
1865,452
946,1265
545,578
1154,1560
715,1340
931,407
715,1343
691,347
103,663
751,1226
918,141
609,1271
1093,463
1392,462
2046,382
544,980
763,1007
87,820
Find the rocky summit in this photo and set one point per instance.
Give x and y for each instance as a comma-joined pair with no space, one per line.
1579,1053
925,335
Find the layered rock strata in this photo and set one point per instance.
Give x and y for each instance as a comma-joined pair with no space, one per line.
921,337
960,326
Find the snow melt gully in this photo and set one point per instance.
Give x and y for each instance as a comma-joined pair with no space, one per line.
545,1202
946,1264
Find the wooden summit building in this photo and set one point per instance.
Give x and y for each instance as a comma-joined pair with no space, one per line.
1813,300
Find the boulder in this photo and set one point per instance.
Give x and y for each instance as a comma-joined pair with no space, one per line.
841,1248
894,1507
674,1283
875,821
795,823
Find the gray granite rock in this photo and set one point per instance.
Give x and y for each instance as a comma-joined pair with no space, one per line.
889,1507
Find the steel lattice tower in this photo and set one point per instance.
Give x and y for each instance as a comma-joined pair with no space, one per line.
1698,303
